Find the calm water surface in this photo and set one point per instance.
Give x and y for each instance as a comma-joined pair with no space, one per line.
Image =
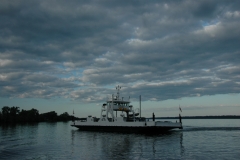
200,139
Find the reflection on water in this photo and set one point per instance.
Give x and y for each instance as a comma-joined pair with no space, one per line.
128,146
181,144
16,136
116,145
61,141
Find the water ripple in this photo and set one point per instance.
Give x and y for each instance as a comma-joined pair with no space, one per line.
61,141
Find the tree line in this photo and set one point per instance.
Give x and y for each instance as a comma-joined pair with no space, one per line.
15,115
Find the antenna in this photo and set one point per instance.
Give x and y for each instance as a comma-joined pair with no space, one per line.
118,89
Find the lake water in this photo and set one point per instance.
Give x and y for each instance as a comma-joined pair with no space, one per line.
200,139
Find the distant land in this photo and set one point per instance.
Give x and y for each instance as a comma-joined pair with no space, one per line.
12,115
203,117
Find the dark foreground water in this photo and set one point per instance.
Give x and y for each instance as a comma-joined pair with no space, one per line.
200,139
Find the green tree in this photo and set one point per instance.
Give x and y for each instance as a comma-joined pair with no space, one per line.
64,117
14,111
0,117
29,115
49,116
5,114
5,110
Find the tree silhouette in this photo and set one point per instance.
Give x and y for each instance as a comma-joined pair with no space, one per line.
64,117
14,111
14,115
5,113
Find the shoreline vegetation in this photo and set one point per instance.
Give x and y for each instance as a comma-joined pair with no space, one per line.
12,115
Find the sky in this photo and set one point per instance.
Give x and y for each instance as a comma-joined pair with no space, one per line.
61,55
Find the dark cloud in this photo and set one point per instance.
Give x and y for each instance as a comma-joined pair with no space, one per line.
79,49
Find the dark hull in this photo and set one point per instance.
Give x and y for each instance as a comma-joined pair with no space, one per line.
144,129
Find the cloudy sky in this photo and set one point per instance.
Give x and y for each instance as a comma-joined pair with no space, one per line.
62,55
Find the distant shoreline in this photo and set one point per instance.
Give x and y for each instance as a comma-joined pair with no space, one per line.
202,117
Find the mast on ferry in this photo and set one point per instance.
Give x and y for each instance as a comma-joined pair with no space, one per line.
118,89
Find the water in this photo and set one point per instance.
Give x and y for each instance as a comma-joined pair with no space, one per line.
200,139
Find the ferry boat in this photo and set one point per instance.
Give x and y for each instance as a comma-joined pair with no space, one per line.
128,120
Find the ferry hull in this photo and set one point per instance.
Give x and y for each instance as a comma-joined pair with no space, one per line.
127,129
